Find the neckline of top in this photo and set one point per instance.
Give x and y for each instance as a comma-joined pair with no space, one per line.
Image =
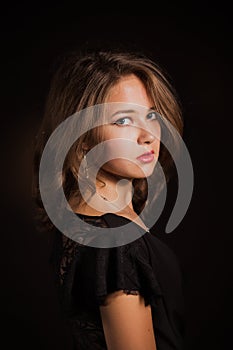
115,215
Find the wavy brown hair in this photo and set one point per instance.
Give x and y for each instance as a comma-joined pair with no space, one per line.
83,80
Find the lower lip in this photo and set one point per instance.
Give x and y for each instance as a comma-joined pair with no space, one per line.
147,158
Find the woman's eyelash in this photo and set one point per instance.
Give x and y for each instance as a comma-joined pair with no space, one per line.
120,121
153,114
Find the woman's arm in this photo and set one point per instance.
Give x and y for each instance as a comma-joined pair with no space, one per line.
127,322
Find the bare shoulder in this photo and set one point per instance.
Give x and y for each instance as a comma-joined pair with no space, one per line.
127,322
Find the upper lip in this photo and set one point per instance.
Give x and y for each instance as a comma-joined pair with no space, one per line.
147,153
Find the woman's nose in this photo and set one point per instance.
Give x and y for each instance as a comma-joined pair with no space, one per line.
145,137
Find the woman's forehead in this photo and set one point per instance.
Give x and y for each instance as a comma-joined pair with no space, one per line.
129,89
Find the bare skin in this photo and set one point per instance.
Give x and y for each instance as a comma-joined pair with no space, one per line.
127,322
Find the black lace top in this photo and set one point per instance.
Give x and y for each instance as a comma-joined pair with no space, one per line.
86,275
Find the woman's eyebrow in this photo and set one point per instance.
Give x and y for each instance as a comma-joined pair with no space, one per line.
128,111
124,111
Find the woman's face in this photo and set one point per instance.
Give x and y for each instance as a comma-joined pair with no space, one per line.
134,129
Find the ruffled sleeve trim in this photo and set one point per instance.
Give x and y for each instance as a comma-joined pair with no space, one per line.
127,268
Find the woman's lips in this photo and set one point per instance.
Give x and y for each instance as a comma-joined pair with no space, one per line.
146,157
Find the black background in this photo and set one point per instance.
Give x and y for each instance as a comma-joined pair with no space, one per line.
193,43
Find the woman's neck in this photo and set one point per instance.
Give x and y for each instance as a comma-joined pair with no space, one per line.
113,195
115,190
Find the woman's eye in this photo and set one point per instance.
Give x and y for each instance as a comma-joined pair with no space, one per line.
123,121
152,116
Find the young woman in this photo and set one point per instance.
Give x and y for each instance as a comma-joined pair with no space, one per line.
113,296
